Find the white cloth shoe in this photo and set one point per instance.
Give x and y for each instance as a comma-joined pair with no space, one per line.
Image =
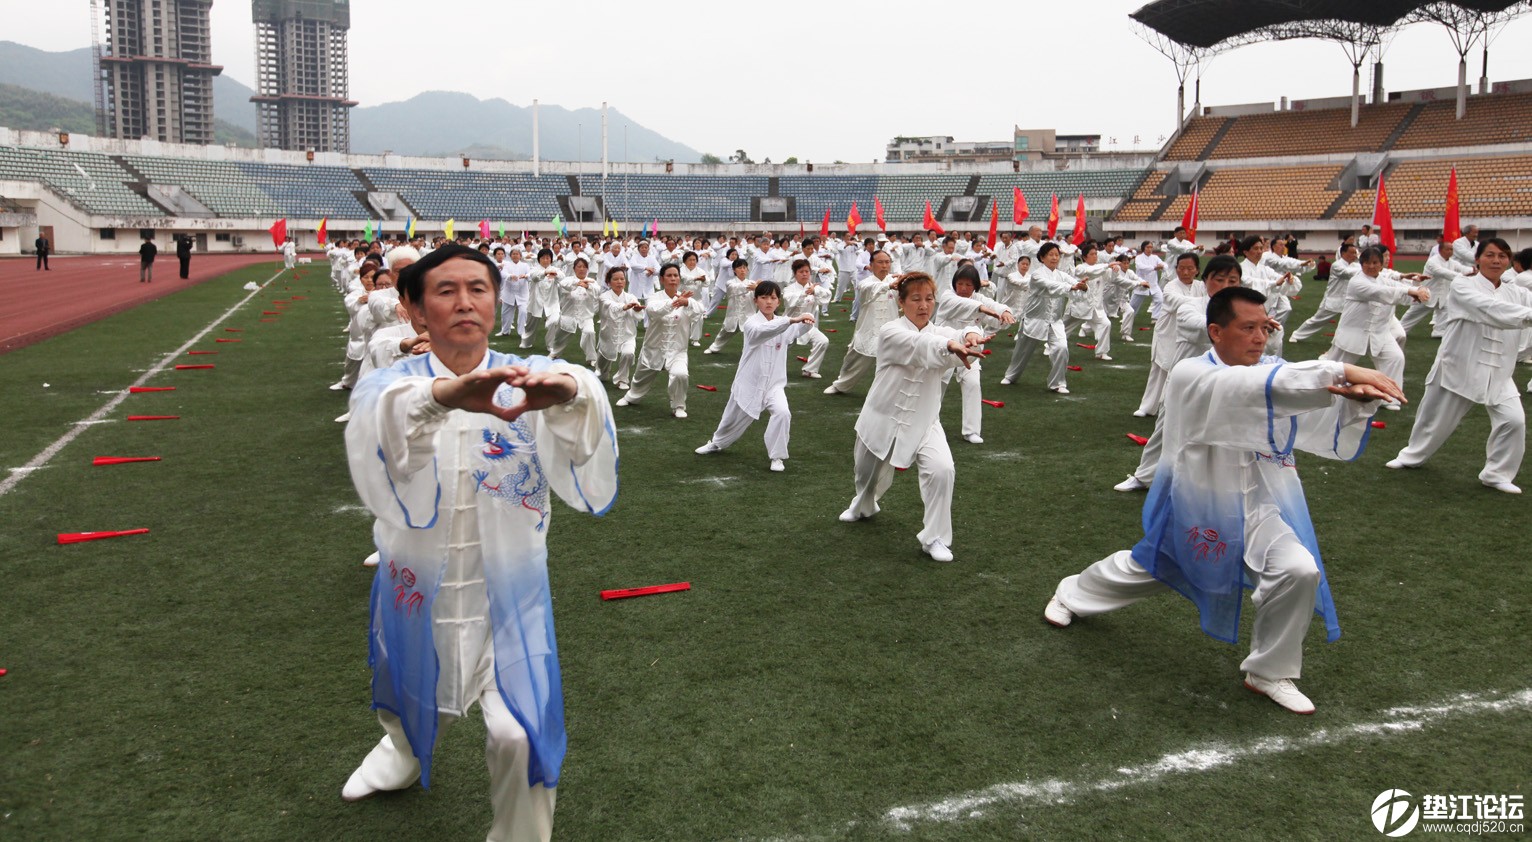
1063,390
1056,614
1507,487
680,413
849,516
1282,691
383,770
709,351
831,390
1132,483
973,438
938,551
343,419
776,465
371,561
1005,381
707,448
1139,413
812,375
1396,464
337,386
623,401
1104,358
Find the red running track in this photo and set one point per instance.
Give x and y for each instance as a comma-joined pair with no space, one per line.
37,305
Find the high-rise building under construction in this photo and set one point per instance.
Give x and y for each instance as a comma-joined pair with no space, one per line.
300,52
156,72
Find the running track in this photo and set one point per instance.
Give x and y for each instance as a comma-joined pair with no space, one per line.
79,290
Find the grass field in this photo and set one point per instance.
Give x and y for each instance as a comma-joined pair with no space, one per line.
820,681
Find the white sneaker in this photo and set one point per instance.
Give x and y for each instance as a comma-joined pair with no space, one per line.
708,351
849,516
1127,338
1393,407
831,390
371,561
696,344
1507,487
812,375
337,386
1132,483
623,401
1282,691
1139,413
708,448
343,419
1104,358
776,465
1063,390
680,413
1005,381
1056,614
938,551
1396,464
973,438
382,770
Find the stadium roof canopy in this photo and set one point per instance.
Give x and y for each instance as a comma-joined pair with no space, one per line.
1206,24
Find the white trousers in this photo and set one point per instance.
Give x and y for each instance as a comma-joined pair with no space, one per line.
680,380
1438,416
1058,354
558,338
513,312
971,394
1130,312
1274,341
1154,390
353,370
1287,582
1416,314
522,813
1389,360
1100,326
933,463
619,370
722,338
530,324
736,421
818,344
853,368
1314,325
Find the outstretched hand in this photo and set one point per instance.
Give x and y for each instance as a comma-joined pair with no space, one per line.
1365,384
475,391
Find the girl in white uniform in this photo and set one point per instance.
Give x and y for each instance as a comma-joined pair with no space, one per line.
619,329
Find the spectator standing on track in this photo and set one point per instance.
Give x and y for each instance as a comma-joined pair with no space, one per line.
43,247
183,254
146,253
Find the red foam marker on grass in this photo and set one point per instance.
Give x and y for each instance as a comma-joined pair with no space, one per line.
624,593
803,359
995,404
1086,347
122,460
707,388
1138,440
193,367
1379,425
708,335
832,330
1074,368
199,353
233,330
271,312
300,298
154,418
1146,328
225,340
2,672
1329,334
268,320
137,389
987,352
82,537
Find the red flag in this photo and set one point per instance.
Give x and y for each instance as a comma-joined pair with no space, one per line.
1383,218
994,224
484,229
853,219
1189,220
1019,209
1053,218
930,223
279,232
323,233
824,227
1078,236
1452,225
801,232
877,214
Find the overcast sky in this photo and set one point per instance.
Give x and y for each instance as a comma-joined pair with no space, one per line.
775,82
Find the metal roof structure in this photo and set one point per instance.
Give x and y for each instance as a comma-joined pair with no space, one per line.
1212,24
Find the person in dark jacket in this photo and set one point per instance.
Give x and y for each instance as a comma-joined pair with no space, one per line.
146,253
43,248
183,253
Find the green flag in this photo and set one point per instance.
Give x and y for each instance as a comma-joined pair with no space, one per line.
367,232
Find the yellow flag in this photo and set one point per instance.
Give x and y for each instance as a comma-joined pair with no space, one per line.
606,227
450,223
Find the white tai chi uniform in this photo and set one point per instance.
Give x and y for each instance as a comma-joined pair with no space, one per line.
738,307
879,305
798,299
577,309
695,281
760,384
962,315
900,424
289,255
666,342
1042,324
1367,325
1440,273
1265,280
616,337
358,326
461,610
1148,268
1088,306
1174,297
543,288
514,282
1481,333
1229,489
1334,301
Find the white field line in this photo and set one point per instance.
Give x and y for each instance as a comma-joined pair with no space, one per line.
52,450
971,805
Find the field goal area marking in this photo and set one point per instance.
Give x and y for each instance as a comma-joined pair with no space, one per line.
1207,756
52,450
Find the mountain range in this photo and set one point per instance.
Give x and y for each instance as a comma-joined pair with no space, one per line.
430,123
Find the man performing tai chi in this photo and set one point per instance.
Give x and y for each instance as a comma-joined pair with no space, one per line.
457,454
1227,509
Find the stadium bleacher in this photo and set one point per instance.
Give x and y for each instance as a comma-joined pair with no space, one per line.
95,182
1501,118
669,197
221,185
473,194
309,191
